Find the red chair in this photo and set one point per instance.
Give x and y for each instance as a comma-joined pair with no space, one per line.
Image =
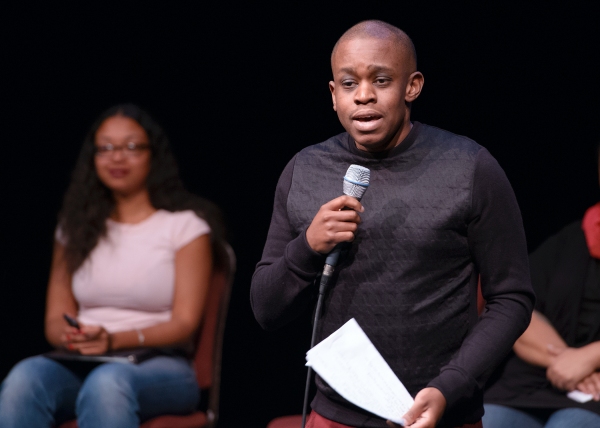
207,359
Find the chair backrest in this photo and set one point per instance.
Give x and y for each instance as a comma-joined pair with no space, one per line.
209,345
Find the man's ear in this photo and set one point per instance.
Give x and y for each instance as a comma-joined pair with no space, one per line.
332,90
414,86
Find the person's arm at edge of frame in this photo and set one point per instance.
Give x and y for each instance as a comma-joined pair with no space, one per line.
532,346
568,368
280,288
59,299
497,242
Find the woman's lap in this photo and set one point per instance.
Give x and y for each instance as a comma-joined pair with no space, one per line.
44,387
497,416
160,385
573,417
136,392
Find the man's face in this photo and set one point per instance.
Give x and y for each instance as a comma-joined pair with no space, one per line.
371,86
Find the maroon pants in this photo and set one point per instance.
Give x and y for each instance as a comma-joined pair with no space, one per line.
317,421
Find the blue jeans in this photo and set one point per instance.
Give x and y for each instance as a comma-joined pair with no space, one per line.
502,417
40,392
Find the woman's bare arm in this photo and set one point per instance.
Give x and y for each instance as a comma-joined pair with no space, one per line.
59,298
532,346
567,367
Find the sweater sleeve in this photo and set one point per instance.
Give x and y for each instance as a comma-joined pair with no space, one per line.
281,285
497,244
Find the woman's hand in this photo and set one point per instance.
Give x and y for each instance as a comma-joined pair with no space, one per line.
591,385
570,366
67,334
89,340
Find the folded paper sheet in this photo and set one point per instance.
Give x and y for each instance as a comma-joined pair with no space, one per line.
580,397
350,364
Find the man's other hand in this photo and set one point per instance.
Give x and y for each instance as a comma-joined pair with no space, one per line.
426,411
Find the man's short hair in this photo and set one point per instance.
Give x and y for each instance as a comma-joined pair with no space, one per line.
380,30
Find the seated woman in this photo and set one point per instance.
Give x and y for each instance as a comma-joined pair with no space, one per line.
560,351
132,260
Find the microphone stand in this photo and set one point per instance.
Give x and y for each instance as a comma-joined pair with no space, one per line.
330,264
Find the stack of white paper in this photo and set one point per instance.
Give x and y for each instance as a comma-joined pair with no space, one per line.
350,364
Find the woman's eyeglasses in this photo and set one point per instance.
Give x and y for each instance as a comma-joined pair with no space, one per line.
129,149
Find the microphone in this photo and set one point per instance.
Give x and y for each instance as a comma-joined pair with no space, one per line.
355,183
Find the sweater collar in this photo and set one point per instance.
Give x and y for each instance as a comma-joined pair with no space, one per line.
396,151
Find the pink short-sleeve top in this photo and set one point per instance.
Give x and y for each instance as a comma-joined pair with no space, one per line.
128,280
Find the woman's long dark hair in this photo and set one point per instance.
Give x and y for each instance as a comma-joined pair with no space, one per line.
88,202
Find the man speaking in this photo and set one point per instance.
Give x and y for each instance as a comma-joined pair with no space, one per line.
439,214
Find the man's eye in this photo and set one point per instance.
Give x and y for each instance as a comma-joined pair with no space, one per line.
347,84
381,80
105,148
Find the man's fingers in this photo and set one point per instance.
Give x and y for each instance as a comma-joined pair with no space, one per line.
422,423
427,409
335,227
413,413
333,224
344,237
344,201
340,227
348,216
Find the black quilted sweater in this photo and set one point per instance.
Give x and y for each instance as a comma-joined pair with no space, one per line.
438,213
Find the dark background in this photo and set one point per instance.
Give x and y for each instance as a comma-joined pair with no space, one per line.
239,90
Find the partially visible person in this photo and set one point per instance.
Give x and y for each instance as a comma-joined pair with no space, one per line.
438,214
560,350
132,261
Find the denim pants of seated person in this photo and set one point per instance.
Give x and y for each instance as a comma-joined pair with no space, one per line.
40,392
502,417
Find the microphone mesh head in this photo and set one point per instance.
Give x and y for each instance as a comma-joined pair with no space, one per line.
356,181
